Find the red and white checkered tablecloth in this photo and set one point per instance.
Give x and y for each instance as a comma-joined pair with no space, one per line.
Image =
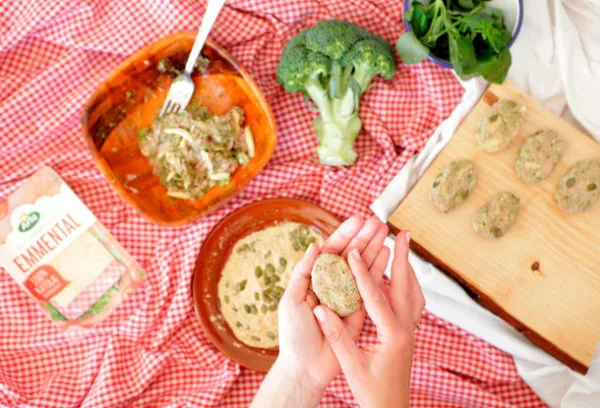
152,351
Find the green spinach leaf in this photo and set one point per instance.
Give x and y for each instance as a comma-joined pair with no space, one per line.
496,69
462,52
493,68
464,5
467,4
437,29
418,20
487,25
410,48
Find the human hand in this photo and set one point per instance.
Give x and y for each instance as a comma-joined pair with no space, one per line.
379,375
301,342
305,358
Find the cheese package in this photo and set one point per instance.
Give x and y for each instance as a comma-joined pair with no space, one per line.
60,254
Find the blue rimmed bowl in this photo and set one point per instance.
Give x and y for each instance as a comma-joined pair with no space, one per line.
513,18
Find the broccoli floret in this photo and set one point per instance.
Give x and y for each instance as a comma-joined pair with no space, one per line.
369,58
333,63
333,37
298,65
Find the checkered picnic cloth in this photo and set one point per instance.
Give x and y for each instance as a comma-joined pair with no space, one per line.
152,351
92,293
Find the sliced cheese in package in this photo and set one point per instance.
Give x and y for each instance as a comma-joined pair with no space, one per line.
53,246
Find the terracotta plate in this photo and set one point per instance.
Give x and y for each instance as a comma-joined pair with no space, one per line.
214,254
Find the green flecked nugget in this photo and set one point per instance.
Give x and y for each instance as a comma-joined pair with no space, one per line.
453,185
499,126
334,285
538,156
579,189
495,218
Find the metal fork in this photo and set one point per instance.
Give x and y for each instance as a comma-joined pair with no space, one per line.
182,87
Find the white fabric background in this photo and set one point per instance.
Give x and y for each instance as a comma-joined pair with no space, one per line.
556,59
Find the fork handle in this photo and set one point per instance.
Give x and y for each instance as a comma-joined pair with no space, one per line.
210,16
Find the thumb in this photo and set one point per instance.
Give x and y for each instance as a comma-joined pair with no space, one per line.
338,337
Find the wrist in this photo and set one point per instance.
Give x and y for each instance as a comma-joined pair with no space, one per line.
305,383
286,386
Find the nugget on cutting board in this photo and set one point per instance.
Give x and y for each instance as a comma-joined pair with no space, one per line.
453,185
334,285
500,125
495,218
579,189
538,156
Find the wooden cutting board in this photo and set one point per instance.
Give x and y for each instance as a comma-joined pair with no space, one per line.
543,276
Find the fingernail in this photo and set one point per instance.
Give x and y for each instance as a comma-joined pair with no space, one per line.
320,314
408,237
355,253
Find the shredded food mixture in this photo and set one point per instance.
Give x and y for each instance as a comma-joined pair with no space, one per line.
192,151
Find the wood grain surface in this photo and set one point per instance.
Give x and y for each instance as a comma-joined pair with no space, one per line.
543,276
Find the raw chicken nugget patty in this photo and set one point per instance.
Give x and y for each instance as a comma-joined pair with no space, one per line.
334,285
493,219
500,125
538,156
453,185
579,189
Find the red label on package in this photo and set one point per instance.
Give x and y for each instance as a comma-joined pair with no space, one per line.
45,282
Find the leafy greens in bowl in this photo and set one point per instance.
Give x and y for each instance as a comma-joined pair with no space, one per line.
470,34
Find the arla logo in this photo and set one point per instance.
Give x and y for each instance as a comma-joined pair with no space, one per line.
28,221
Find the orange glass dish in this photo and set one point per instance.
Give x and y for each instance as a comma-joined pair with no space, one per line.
131,97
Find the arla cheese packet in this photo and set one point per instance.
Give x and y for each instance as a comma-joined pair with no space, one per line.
59,253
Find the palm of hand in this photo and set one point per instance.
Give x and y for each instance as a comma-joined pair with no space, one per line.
379,375
307,343
302,341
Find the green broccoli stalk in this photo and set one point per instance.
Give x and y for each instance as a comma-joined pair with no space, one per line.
333,64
